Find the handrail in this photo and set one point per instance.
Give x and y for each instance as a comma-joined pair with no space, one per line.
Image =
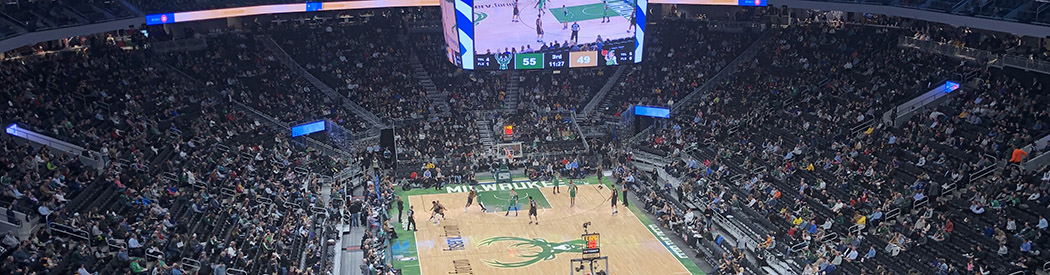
68,230
980,56
193,264
48,141
294,66
18,221
598,97
579,130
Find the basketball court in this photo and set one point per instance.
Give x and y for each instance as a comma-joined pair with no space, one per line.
495,30
496,242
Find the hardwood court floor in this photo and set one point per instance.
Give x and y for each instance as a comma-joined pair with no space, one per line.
491,243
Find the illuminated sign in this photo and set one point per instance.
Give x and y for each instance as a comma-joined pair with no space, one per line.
178,17
591,243
157,19
652,111
950,86
753,3
308,128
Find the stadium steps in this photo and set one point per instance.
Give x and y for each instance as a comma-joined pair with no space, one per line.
487,136
511,99
433,94
600,96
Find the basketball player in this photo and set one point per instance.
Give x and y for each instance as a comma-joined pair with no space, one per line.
515,18
565,20
532,211
572,193
470,200
539,28
605,13
630,24
557,183
513,203
613,197
437,212
540,4
600,173
433,210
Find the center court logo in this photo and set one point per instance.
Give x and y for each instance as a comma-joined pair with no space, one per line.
547,250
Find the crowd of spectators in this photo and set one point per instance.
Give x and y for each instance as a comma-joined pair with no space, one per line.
687,55
365,63
828,195
375,216
467,90
187,182
242,69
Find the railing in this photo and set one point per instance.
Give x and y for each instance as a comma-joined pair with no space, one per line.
51,142
984,172
734,26
730,68
863,126
1037,161
279,125
579,130
193,265
893,213
598,97
830,238
980,56
18,221
1026,63
294,66
188,44
904,111
70,231
799,246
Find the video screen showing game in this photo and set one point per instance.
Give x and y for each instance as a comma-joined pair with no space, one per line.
542,34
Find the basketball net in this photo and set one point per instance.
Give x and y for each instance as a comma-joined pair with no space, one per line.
510,155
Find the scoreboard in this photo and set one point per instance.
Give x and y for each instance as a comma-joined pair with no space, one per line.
610,55
528,61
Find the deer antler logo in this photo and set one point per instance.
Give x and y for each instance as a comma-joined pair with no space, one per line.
547,250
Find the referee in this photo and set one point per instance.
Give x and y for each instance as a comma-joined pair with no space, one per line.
575,32
411,219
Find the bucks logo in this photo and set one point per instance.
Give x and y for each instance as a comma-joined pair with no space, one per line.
478,16
503,60
546,250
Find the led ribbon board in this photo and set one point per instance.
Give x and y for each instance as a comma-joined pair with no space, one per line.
751,3
179,17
